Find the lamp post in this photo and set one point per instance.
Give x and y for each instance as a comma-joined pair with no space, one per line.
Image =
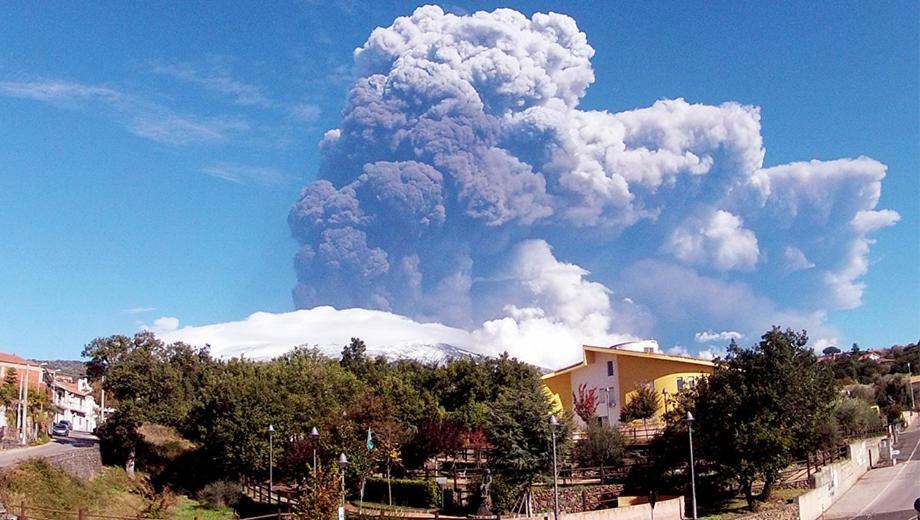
692,468
271,461
664,392
343,461
553,426
314,434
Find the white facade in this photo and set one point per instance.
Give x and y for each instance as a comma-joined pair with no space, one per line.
76,404
598,375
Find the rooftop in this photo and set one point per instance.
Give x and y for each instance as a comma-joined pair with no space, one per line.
622,349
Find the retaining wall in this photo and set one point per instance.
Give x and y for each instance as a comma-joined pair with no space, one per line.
835,479
671,509
83,463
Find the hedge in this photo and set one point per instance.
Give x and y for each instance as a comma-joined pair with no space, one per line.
406,492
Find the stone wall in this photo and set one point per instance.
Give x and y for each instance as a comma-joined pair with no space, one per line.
83,463
577,499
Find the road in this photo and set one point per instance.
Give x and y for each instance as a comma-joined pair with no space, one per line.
57,446
885,493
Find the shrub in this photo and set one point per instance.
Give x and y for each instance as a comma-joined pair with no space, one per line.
406,492
220,493
504,493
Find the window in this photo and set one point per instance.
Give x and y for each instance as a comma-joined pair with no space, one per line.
610,368
680,384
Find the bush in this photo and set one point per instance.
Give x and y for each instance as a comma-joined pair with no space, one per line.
220,493
504,493
406,492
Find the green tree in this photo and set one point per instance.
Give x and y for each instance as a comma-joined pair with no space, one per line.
520,433
354,357
759,404
152,382
601,446
321,497
642,406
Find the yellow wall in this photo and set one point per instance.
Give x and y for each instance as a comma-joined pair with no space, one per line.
663,372
560,387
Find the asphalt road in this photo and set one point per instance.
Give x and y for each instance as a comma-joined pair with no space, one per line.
885,493
59,445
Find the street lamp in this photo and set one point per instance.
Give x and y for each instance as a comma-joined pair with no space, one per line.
553,426
692,469
314,434
664,392
343,461
271,460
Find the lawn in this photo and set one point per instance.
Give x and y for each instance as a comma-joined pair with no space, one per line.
188,509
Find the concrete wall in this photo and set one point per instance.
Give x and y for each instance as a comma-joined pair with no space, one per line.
835,479
672,509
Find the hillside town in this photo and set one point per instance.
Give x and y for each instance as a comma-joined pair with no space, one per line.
467,260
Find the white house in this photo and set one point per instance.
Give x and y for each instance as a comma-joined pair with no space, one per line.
75,403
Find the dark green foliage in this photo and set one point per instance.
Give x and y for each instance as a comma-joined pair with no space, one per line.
221,493
520,432
602,446
760,409
642,406
224,408
406,492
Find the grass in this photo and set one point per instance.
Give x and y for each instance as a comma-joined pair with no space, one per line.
37,484
387,507
738,506
188,509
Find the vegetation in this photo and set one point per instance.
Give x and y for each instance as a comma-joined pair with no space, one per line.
601,446
642,406
585,402
221,409
37,484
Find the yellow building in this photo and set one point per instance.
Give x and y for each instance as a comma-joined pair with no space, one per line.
615,373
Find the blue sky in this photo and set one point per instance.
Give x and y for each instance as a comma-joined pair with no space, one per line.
150,155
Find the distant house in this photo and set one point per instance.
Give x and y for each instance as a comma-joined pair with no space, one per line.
25,372
870,356
615,372
75,403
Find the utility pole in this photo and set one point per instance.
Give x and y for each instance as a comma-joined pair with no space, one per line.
910,388
25,407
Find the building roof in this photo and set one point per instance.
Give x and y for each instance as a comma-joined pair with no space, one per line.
70,387
12,358
618,350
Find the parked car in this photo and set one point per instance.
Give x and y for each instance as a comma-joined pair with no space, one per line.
60,429
67,424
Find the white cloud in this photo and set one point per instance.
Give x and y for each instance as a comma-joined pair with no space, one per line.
796,260
678,350
304,112
719,240
866,221
822,343
216,79
266,335
525,333
708,336
138,310
242,174
165,324
141,116
712,352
